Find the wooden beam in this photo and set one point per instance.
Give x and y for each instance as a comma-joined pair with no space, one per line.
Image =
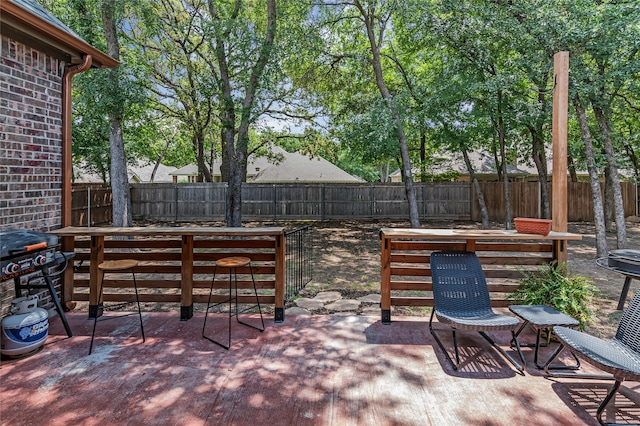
559,140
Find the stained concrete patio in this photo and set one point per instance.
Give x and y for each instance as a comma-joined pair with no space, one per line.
309,370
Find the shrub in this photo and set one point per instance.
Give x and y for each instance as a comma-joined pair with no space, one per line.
552,285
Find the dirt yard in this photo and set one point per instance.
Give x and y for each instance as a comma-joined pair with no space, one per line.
346,258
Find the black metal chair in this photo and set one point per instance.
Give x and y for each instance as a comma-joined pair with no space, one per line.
461,300
620,356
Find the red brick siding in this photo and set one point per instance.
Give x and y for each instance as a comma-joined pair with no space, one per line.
30,138
30,145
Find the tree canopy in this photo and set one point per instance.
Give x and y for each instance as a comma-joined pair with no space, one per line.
371,85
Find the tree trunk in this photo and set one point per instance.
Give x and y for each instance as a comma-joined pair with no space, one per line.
476,185
607,204
161,157
370,18
423,156
121,210
235,141
540,160
204,173
573,175
621,228
503,157
596,195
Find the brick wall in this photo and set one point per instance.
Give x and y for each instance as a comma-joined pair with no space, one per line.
30,144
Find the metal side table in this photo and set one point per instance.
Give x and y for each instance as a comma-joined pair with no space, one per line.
543,317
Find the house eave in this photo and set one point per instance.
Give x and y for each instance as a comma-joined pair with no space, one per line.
22,25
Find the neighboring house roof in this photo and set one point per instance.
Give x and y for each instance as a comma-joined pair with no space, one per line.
28,22
138,173
303,168
254,165
188,170
482,162
294,167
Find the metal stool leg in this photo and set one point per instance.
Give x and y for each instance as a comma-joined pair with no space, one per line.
135,286
101,302
255,292
209,306
95,318
232,263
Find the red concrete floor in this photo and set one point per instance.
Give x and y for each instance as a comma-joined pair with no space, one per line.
309,370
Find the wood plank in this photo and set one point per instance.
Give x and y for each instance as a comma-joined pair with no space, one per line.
72,231
455,234
514,247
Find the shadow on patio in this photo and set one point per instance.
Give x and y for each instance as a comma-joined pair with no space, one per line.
327,370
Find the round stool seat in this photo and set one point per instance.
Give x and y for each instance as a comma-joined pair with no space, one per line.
118,265
233,262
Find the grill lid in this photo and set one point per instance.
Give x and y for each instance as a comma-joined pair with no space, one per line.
626,260
627,254
15,243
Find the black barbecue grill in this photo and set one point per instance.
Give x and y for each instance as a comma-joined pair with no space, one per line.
33,253
625,262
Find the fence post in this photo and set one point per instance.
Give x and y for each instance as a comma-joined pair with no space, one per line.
424,201
175,202
89,206
322,205
275,203
373,202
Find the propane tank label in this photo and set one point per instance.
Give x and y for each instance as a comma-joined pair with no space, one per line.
30,333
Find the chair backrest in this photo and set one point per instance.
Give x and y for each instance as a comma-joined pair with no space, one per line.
629,328
459,284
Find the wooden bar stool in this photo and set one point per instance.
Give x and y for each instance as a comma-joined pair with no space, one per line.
121,265
233,263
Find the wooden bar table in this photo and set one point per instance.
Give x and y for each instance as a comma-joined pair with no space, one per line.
405,258
187,247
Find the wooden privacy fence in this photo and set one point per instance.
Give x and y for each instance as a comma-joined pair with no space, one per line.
91,204
525,200
193,202
206,201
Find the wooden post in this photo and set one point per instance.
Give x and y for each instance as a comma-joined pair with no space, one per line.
186,290
385,278
96,258
559,141
281,253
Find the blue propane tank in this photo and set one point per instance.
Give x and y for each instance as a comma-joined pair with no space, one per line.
26,329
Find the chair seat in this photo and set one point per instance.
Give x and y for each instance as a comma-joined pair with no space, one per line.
233,262
478,320
118,265
611,356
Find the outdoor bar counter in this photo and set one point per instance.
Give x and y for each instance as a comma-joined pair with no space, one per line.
405,255
182,251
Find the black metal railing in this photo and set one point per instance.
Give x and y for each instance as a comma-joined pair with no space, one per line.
298,261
